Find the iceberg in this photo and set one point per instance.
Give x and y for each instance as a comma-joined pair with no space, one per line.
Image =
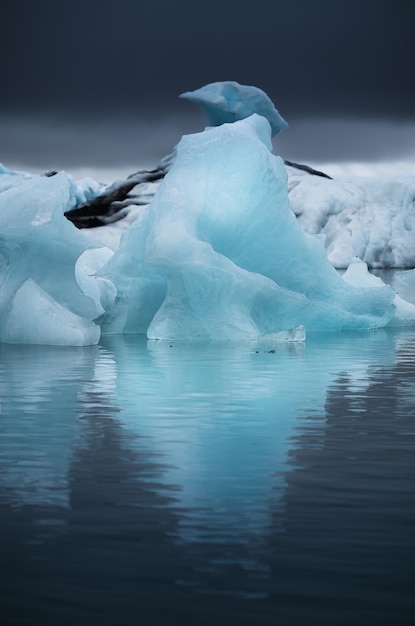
368,217
42,301
218,254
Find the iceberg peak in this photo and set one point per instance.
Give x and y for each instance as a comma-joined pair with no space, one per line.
229,101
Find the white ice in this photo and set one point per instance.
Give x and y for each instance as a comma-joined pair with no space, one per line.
365,216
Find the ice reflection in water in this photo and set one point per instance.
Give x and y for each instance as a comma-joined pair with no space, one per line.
154,476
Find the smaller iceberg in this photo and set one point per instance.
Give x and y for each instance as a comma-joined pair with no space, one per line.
358,274
42,301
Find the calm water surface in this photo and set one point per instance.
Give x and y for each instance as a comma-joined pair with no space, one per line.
163,483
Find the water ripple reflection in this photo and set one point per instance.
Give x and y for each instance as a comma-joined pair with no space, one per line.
208,483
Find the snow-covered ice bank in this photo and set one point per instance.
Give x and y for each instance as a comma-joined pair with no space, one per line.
369,217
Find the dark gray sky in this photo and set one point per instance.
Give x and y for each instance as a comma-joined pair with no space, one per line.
90,59
309,55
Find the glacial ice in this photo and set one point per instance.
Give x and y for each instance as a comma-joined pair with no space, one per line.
228,101
371,218
41,298
357,274
219,255
368,217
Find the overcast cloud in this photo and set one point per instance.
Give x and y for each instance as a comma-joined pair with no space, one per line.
102,62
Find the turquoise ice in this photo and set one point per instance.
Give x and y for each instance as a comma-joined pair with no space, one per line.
42,301
218,254
228,101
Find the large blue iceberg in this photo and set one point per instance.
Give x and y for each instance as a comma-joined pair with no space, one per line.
217,255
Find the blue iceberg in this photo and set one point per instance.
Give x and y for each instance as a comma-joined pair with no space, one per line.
364,216
218,254
42,265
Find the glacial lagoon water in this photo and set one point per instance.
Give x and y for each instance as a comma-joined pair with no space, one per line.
176,483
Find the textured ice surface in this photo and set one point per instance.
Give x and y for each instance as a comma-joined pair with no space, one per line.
369,217
218,254
41,299
228,101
